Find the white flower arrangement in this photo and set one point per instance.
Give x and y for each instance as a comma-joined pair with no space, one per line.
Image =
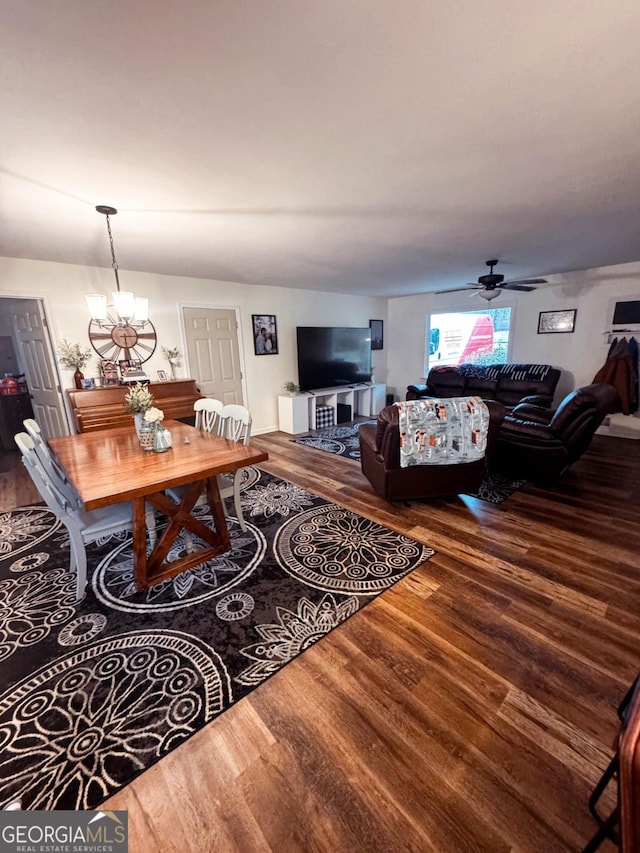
73,356
153,415
172,354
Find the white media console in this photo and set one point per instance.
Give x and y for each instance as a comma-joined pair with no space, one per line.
298,413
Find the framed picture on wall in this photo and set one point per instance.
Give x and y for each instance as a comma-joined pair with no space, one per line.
550,322
377,336
265,337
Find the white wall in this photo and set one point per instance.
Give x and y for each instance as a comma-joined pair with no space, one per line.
63,288
580,354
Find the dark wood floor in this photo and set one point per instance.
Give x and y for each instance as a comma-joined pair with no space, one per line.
470,708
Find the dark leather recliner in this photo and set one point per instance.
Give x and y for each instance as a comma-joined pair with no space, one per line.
380,461
540,445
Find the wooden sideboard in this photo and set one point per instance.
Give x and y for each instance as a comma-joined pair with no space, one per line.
103,408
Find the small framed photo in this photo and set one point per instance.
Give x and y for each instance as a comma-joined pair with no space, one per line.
554,322
265,337
377,337
108,372
162,376
88,383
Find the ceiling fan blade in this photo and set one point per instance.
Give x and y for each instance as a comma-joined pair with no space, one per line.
527,281
524,287
459,289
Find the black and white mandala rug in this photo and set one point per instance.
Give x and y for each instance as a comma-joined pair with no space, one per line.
344,441
94,692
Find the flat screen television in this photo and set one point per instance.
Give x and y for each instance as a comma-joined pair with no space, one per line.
626,312
329,356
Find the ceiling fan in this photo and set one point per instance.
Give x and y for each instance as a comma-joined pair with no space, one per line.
491,285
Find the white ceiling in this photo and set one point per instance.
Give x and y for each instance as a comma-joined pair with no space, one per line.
372,147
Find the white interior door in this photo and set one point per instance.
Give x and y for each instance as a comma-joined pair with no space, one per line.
213,351
32,337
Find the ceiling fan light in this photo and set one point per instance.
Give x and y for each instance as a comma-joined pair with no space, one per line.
141,309
97,304
488,295
124,303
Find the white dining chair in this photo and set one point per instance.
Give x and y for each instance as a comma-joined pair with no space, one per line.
235,424
49,462
231,421
83,526
208,413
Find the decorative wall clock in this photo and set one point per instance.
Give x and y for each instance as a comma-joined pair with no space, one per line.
114,341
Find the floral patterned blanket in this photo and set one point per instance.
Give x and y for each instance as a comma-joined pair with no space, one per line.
442,431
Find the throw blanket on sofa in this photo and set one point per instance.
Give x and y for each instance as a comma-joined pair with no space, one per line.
526,372
442,432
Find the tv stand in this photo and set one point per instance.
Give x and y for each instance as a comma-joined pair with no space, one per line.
298,413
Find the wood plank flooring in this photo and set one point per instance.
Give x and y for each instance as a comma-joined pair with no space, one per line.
470,708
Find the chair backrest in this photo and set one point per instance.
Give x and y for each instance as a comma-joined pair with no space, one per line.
235,423
579,415
47,482
48,462
208,413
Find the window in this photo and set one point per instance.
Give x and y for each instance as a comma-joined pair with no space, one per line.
474,337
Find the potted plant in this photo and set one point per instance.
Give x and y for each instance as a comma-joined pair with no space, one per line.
74,357
137,401
292,388
173,357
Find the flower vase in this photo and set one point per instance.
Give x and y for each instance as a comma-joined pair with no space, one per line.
78,376
147,436
138,420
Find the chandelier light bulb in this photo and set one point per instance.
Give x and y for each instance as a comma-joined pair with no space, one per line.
124,303
97,304
141,309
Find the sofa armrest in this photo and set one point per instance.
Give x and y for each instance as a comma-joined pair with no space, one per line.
543,400
528,432
529,412
367,434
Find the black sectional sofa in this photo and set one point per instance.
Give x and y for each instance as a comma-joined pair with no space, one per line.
509,384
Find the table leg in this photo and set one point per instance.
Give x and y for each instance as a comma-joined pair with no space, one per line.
139,542
153,568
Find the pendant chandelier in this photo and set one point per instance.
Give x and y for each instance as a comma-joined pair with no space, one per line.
132,311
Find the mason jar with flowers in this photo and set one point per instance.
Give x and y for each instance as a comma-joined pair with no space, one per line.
137,401
151,429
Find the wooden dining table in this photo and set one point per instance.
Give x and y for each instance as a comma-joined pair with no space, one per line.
109,466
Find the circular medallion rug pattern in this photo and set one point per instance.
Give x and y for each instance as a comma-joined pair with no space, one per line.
94,692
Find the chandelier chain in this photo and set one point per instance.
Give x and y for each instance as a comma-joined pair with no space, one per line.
114,263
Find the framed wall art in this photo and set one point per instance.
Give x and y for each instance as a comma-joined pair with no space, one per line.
377,334
553,322
265,337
